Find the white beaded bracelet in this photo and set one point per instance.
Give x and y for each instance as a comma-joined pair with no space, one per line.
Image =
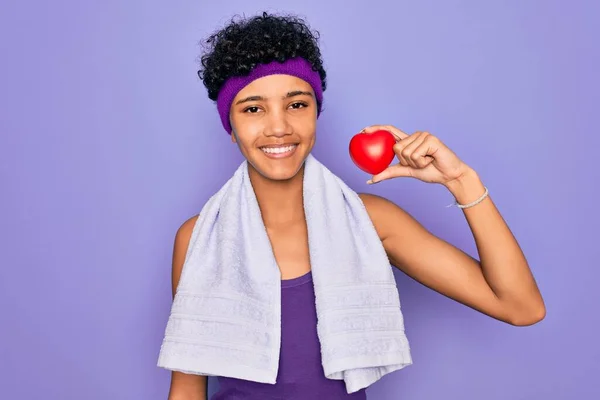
479,200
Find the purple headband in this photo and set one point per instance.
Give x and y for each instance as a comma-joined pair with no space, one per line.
297,67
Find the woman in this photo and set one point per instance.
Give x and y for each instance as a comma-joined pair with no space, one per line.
272,119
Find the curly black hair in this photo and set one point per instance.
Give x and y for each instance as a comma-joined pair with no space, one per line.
237,48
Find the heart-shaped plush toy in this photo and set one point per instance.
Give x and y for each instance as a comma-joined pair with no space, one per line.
372,152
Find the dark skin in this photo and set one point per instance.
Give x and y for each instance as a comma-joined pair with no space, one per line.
281,109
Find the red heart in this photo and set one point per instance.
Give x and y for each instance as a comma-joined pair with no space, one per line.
372,152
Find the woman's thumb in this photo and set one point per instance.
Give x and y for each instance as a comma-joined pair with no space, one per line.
393,171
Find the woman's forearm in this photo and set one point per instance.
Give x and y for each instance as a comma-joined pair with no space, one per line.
503,263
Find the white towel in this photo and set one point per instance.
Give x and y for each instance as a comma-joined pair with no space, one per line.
226,315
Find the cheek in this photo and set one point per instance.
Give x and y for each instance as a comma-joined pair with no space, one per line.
245,124
244,136
233,121
305,121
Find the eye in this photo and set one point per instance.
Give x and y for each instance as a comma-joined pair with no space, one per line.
251,109
298,105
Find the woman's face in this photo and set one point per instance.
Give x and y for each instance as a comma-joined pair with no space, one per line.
274,120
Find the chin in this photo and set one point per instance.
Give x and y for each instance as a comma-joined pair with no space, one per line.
281,175
278,169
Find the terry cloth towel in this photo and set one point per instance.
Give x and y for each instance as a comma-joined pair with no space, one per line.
225,319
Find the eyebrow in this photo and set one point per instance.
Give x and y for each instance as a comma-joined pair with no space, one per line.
288,95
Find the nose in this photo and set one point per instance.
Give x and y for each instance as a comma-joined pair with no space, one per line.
277,124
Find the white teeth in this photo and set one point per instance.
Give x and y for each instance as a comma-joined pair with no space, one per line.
278,150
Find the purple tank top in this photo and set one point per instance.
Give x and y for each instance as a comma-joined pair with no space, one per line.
300,375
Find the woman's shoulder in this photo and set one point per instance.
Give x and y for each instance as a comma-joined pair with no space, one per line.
386,215
378,205
182,241
184,232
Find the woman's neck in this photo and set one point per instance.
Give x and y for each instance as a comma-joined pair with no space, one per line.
280,202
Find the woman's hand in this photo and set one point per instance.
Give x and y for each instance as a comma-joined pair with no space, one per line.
422,156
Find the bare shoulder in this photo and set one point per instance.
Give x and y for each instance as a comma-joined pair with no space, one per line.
378,204
184,232
182,241
387,216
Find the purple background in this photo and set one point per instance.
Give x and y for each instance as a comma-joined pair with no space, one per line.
108,143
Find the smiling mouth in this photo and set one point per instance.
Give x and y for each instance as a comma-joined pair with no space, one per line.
279,151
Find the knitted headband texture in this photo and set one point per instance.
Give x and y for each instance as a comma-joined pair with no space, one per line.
297,67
